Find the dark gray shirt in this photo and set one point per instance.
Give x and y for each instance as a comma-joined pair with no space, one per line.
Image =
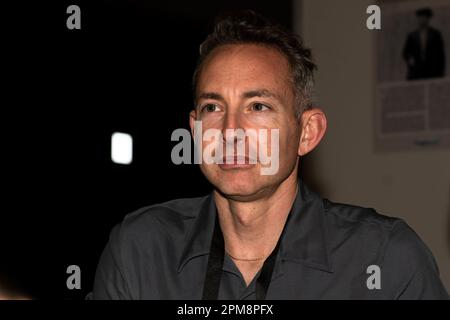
328,251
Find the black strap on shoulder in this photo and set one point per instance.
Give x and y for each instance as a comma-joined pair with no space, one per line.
265,276
215,264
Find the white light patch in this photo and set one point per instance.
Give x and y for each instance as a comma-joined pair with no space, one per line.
121,148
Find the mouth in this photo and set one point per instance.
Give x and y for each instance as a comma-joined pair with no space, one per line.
236,162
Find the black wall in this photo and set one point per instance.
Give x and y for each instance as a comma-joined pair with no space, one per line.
128,69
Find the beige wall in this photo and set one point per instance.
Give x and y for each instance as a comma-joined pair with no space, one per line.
412,185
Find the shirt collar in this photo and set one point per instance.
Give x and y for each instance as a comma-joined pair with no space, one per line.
199,236
305,240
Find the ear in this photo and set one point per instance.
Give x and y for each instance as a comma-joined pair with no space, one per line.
314,125
192,118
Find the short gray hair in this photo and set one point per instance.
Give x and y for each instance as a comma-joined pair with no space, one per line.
250,27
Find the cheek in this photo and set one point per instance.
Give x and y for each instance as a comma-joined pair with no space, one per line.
263,120
277,134
211,120
289,140
209,136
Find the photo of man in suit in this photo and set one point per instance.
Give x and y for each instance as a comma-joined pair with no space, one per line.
424,49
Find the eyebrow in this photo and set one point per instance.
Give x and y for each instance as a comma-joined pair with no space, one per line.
210,95
261,93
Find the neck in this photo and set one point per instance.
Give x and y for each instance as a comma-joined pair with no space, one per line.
251,229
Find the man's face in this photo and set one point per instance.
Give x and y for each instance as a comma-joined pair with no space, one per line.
423,21
248,87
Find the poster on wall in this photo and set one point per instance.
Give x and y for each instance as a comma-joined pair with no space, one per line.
413,76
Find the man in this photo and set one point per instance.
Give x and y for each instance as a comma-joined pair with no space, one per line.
261,236
424,49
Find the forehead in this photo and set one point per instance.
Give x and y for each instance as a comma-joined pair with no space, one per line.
244,66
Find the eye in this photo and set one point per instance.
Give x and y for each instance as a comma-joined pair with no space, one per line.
259,107
210,107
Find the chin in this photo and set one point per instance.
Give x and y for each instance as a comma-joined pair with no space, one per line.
239,189
238,184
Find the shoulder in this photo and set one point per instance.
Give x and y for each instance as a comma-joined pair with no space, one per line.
413,34
358,217
408,266
384,236
434,31
171,211
158,222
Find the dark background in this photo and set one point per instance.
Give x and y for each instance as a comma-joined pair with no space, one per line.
128,69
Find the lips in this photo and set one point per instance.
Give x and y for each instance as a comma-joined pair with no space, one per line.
236,162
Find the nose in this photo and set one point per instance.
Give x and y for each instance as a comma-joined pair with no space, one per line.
232,122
